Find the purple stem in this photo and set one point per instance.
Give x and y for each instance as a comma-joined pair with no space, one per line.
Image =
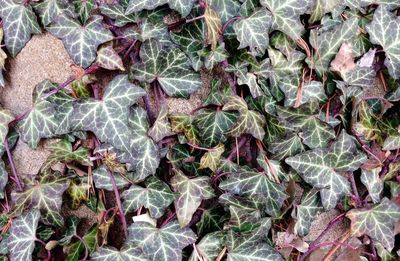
231,81
148,109
48,258
12,164
240,144
118,200
86,247
228,22
168,219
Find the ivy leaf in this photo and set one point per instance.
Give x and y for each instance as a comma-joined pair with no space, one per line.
191,193
169,67
213,125
62,151
109,59
329,42
250,183
253,31
386,24
322,168
117,12
48,10
102,180
76,249
306,212
23,236
126,253
214,26
81,41
249,121
162,244
225,8
391,143
293,89
70,232
161,127
184,123
5,118
377,222
374,185
108,118
182,6
209,247
211,158
286,15
78,192
84,8
287,146
44,194
19,23
156,197
147,29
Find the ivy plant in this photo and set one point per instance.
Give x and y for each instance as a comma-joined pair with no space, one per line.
301,118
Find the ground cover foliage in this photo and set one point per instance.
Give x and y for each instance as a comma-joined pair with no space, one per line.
302,117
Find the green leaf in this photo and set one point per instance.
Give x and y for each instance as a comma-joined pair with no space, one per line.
391,143
384,30
377,222
209,247
286,15
5,118
81,40
161,127
225,8
76,249
102,179
253,31
71,224
287,146
147,29
322,168
321,7
328,43
109,59
156,197
306,212
185,123
373,183
62,151
249,121
19,23
162,244
250,183
108,118
78,192
211,220
48,10
44,194
169,67
192,191
23,236
84,8
117,12
127,252
213,125
283,43
182,6
293,89
212,158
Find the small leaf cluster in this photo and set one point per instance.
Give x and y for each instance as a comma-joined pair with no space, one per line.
302,118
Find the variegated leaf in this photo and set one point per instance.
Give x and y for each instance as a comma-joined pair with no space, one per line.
102,179
108,118
252,183
44,194
322,168
163,244
286,15
147,29
328,43
161,127
225,8
253,31
249,121
209,247
191,193
391,143
81,41
384,30
23,236
156,197
128,252
373,183
84,8
19,23
306,212
211,158
48,10
169,67
377,222
286,147
117,12
182,6
297,93
109,59
213,125
185,123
